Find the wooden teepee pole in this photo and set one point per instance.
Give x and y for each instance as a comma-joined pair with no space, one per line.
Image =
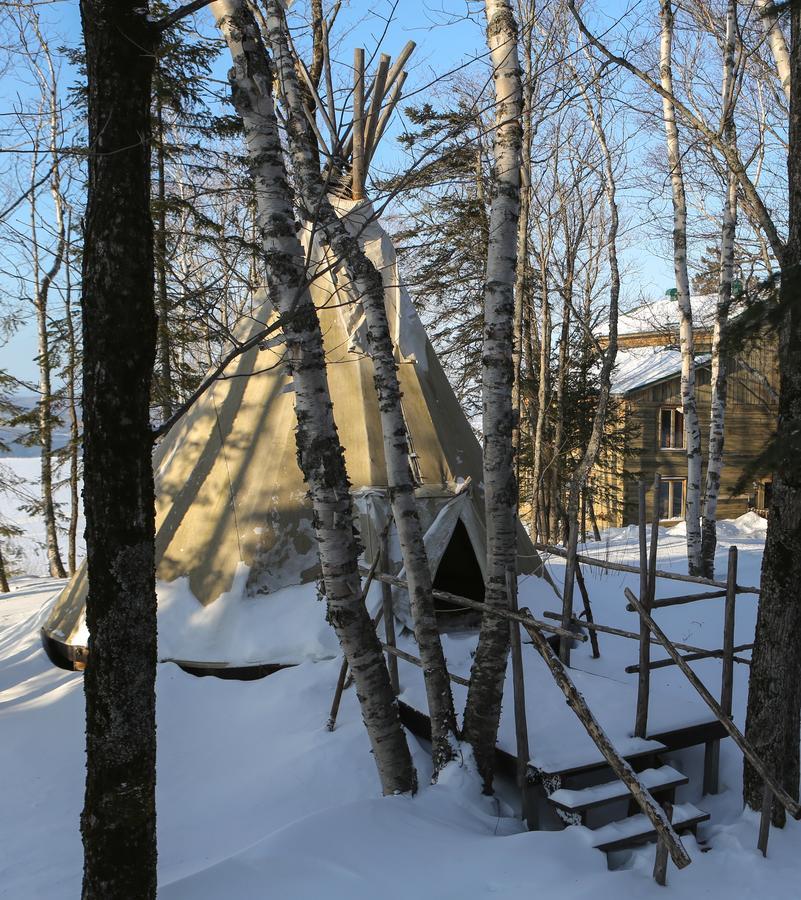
379,87
357,188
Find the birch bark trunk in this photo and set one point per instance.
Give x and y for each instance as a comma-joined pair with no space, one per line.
692,429
521,266
320,454
483,708
776,41
719,375
774,687
119,329
361,272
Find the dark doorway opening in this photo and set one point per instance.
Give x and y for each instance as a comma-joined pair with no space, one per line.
459,573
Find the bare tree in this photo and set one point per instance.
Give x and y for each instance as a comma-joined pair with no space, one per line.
719,375
483,709
360,271
320,453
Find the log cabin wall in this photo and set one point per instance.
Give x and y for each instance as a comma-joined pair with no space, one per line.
751,415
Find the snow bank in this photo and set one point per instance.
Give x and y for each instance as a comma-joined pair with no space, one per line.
256,798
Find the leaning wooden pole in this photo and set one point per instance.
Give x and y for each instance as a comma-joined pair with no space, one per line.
643,682
519,685
616,762
792,806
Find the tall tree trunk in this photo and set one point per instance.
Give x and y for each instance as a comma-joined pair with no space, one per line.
119,339
774,687
537,506
559,423
361,272
778,45
483,708
719,379
72,408
320,454
692,429
522,265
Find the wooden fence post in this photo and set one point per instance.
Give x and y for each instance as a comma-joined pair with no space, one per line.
712,749
521,726
792,806
643,685
567,593
727,685
661,861
389,616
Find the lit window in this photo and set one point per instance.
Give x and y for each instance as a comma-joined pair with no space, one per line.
671,429
671,498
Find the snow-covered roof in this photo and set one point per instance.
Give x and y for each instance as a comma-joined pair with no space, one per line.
663,315
636,367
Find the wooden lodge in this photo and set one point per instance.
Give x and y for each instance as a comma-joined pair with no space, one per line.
650,424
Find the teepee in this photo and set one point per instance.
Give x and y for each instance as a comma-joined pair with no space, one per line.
237,564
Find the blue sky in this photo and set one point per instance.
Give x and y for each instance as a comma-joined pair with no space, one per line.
448,34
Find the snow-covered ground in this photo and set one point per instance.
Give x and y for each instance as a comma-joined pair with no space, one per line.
256,798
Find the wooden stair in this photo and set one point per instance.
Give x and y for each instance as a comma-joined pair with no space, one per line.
589,791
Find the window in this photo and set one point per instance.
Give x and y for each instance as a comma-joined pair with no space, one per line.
671,498
671,429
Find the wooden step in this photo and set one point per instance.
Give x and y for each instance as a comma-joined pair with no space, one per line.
645,749
691,735
638,829
662,779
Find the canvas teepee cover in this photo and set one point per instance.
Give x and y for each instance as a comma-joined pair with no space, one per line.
234,531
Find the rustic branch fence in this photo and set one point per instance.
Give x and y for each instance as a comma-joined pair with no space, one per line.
649,634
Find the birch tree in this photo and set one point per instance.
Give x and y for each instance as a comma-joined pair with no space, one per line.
776,41
483,708
360,271
718,363
320,453
692,429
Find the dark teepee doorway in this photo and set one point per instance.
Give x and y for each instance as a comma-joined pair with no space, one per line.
459,573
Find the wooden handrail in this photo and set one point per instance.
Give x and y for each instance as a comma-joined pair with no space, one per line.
456,600
792,807
631,635
635,570
616,762
415,661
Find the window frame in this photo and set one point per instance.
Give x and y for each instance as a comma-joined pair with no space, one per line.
670,481
673,410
